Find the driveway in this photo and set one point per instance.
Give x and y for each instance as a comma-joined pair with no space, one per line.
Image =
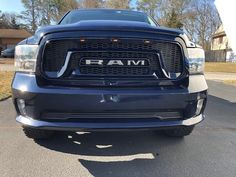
220,76
208,152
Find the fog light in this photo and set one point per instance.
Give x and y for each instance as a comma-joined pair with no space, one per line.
21,106
199,106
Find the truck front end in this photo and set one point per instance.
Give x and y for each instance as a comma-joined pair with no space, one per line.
108,74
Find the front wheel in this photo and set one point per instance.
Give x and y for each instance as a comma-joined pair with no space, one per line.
37,133
179,132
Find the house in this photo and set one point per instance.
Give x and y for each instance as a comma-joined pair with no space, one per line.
10,37
220,40
221,50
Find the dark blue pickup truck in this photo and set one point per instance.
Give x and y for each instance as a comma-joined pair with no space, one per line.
103,69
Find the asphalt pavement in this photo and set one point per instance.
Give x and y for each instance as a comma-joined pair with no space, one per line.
210,151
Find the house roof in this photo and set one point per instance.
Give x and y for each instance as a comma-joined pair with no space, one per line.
219,32
14,33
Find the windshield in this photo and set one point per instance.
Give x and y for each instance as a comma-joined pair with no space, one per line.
80,15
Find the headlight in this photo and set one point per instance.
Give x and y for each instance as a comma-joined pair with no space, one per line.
25,57
196,60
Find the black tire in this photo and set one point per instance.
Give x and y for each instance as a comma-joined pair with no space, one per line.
37,133
179,132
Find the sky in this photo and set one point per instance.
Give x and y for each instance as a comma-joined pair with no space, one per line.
16,5
11,6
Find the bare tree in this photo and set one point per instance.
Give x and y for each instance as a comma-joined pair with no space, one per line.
202,22
90,3
166,12
44,12
60,7
117,4
9,20
31,14
199,18
45,8
189,25
149,6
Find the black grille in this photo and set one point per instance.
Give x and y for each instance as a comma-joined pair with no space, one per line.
114,71
55,53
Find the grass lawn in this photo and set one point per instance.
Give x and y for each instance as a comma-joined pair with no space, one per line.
5,84
220,67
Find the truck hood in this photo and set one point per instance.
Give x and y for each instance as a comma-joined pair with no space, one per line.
108,25
101,25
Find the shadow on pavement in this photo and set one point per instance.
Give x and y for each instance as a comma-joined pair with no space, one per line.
220,115
114,153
